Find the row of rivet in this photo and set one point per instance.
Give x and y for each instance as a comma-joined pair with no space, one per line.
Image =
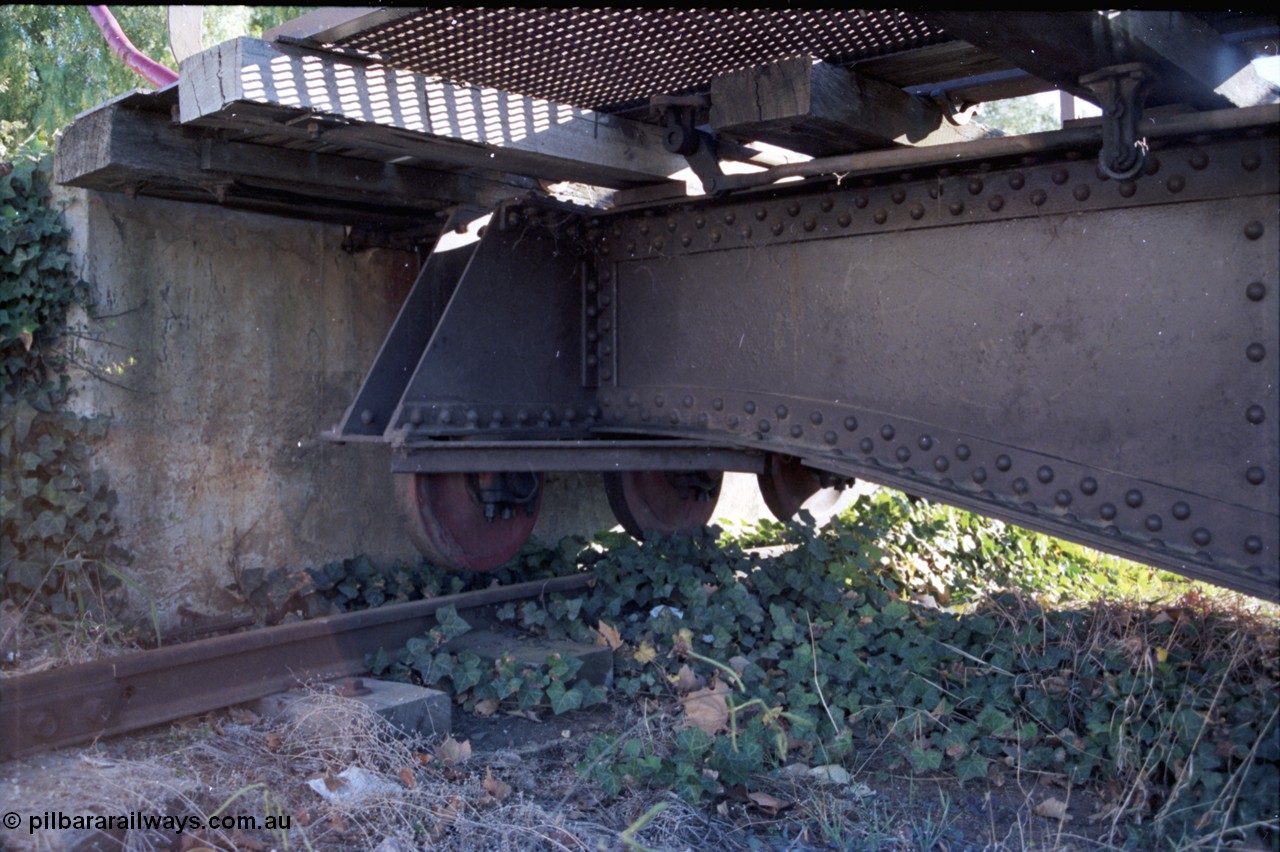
764,428
707,229
454,419
599,313
1255,352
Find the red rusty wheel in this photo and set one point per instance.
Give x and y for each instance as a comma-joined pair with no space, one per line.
789,486
662,502
455,526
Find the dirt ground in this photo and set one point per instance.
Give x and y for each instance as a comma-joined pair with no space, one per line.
505,782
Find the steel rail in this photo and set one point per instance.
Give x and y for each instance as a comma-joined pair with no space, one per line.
110,696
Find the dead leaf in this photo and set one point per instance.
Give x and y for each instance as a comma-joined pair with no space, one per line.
407,779
274,741
1053,809
486,707
336,824
26,339
495,787
722,809
423,758
707,709
687,681
956,750
451,752
243,716
303,817
448,814
646,653
769,804
710,588
739,663
608,636
239,840
333,783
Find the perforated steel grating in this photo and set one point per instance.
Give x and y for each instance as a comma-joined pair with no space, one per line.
611,58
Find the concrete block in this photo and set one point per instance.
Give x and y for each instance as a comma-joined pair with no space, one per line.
412,709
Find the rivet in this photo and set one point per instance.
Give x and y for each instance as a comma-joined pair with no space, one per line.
415,416
826,204
749,407
761,214
1016,180
1062,498
592,310
659,400
810,223
851,423
704,419
606,374
776,229
734,422
1003,463
445,417
671,224
880,217
1153,166
793,209
781,411
366,416
1080,193
1255,352
1045,474
867,445
658,243
917,211
1255,414
995,203
1039,197
717,404
606,275
616,230
631,247
1255,475
1107,511
570,415
1059,176
975,186
675,418
699,221
941,464
729,218
1253,230
979,475
1127,189
815,418
745,232
1201,537
844,220
925,442
497,418
956,208
687,401
1253,544
473,416
1021,486
899,195
1256,291
1088,485
903,454
1154,523
606,324
886,432
1176,183
686,240
633,400
1250,162
715,235
831,437
1198,160
522,416
860,201
644,229
593,412
764,425
645,416
592,360
962,452
1133,498
797,431
548,415
1181,510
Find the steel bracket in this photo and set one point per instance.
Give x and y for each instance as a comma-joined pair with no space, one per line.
681,136
1121,91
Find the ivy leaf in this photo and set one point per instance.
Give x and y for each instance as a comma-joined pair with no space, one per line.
450,623
970,767
562,700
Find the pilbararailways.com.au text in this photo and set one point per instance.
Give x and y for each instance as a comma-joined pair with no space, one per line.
139,821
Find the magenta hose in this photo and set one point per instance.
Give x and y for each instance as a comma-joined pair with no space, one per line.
153,72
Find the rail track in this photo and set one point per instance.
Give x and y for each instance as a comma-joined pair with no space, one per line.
78,704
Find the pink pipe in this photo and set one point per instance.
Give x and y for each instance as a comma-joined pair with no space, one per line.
153,72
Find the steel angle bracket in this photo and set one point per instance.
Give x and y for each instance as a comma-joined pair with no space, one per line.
1027,338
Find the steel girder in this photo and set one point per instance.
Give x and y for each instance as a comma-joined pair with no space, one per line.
1022,337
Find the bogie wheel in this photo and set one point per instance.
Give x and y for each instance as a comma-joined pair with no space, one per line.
662,502
470,521
789,486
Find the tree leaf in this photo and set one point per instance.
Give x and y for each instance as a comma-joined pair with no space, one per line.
707,709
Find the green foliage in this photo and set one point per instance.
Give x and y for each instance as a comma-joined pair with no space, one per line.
1014,116
54,63
56,523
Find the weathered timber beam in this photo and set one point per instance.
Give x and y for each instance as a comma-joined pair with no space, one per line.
466,126
119,149
1194,63
821,110
328,24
